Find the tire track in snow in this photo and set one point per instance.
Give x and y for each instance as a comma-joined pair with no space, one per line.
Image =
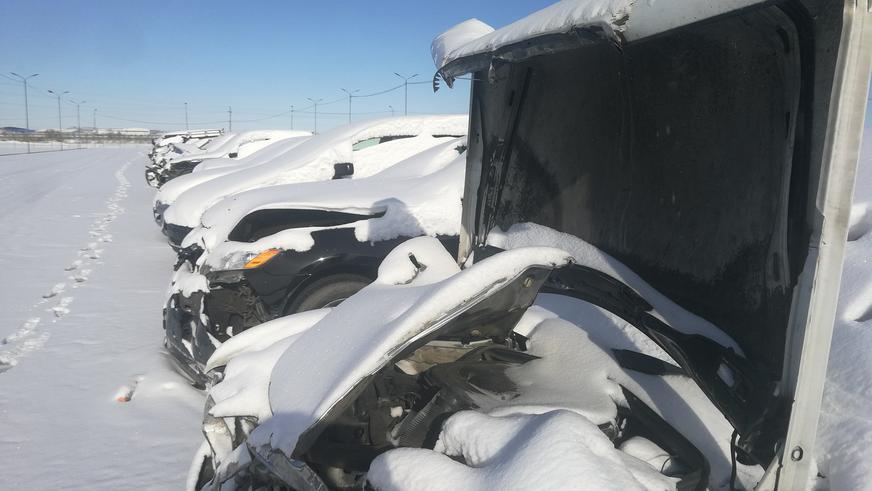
29,337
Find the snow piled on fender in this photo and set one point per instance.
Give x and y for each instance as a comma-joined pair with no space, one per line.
554,450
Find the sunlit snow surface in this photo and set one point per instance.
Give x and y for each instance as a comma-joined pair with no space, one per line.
87,399
844,445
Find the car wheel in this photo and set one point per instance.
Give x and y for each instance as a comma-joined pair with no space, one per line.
327,292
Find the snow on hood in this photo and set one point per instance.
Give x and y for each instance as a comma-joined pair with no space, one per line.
413,204
312,160
210,169
555,450
360,335
256,350
531,234
633,19
232,144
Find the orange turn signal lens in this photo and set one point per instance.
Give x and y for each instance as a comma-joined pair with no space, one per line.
261,258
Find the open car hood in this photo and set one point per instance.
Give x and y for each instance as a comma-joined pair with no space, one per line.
422,290
715,159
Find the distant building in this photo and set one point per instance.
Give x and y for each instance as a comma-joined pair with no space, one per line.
134,131
14,130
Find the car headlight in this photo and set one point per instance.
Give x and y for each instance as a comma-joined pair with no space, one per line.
248,260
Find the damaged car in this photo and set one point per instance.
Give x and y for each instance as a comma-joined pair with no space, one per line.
279,250
352,151
654,217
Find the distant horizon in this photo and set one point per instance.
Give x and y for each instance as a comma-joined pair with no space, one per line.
138,65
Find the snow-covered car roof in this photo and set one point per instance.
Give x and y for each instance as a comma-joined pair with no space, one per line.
420,195
314,160
478,44
222,166
235,142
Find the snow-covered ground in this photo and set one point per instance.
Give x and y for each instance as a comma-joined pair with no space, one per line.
845,430
87,397
85,271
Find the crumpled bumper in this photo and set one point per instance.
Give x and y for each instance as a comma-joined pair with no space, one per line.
187,338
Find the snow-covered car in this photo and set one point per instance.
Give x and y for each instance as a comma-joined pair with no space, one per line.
182,158
168,193
162,144
353,151
656,204
279,250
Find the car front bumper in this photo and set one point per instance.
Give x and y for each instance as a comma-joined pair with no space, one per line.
197,324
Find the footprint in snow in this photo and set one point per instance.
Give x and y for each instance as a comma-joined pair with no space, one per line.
58,288
74,265
25,330
62,308
82,276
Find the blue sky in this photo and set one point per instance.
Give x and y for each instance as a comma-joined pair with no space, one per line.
141,61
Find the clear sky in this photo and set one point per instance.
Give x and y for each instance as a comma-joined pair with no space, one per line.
138,62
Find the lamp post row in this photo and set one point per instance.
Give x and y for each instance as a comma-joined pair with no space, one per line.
314,102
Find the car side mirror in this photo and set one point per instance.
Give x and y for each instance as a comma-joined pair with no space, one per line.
341,171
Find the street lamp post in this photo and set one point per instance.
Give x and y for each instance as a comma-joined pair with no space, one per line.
229,119
392,110
350,95
406,90
78,120
315,122
292,116
26,109
60,125
94,120
186,116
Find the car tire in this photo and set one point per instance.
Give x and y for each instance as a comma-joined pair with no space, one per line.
326,292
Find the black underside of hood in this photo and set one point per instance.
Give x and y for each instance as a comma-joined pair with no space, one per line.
678,155
686,156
